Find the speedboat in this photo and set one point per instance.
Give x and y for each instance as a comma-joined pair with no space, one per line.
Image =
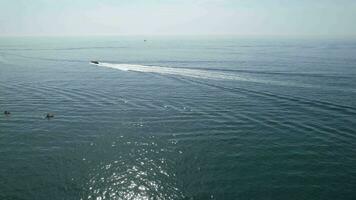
94,62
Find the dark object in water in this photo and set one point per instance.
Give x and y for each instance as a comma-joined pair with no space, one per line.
7,112
94,62
49,116
144,40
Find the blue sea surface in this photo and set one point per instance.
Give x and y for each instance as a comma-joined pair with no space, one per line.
177,118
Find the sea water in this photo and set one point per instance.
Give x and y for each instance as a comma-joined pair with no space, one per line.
177,118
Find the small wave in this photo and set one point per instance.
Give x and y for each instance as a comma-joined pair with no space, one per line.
43,58
2,59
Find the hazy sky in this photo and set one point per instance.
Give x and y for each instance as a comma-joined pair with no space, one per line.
241,17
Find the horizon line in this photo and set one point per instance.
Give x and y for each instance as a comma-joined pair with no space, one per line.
179,34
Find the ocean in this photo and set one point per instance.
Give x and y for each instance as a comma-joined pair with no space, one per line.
177,117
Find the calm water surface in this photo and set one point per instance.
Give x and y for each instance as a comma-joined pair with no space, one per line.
177,118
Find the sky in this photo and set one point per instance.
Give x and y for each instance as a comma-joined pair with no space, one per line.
178,17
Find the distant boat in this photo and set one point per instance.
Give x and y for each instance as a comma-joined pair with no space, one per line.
49,115
94,62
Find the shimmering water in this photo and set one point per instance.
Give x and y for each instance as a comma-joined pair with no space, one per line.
177,118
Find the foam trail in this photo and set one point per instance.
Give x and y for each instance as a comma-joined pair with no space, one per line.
199,73
195,73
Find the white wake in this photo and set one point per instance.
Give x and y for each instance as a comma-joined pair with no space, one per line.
195,73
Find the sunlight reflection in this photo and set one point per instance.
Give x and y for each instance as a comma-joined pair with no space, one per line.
140,171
